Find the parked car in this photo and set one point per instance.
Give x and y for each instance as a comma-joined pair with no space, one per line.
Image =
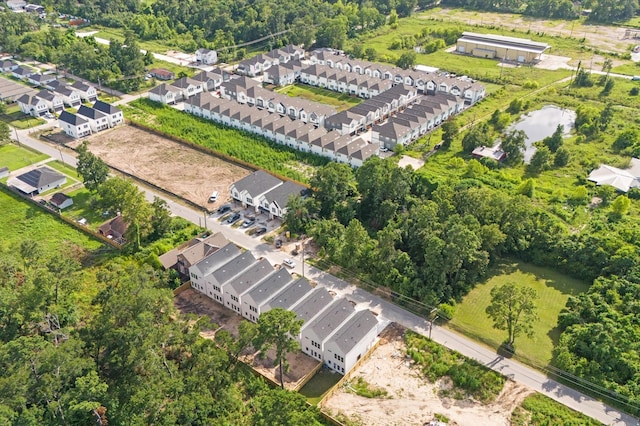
224,209
289,262
261,231
234,218
278,243
248,222
213,197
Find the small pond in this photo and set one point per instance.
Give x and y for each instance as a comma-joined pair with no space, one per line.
541,123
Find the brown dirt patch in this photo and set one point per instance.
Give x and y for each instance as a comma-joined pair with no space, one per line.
300,365
412,400
183,171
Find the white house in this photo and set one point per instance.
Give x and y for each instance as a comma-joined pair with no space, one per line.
206,56
22,72
54,100
188,87
32,105
61,200
254,300
70,96
224,276
315,334
114,115
352,340
87,92
38,180
8,65
250,189
200,272
41,79
74,125
289,297
165,93
98,121
236,289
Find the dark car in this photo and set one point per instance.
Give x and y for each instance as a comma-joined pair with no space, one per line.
225,208
260,231
278,243
234,218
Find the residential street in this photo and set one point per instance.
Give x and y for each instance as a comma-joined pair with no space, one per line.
386,310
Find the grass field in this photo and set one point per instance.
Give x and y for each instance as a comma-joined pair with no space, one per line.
16,157
538,409
339,101
65,168
553,291
82,208
118,34
20,220
16,118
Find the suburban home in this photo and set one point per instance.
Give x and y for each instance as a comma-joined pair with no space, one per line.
162,74
4,172
275,201
493,152
254,300
69,95
206,56
188,87
289,297
54,100
41,79
235,290
22,72
351,342
33,105
61,200
255,66
165,93
200,272
98,121
249,189
621,179
193,251
114,115
74,125
8,65
222,277
87,92
317,331
114,229
34,8
38,180
211,80
284,73
309,307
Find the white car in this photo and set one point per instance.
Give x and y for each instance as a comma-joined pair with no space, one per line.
213,197
289,262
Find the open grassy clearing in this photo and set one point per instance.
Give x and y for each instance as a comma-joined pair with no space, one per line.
15,157
553,291
82,208
340,101
118,34
65,168
16,118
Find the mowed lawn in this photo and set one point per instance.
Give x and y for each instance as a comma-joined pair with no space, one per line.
20,221
339,101
553,291
16,157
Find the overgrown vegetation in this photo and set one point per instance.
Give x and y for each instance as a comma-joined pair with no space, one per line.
539,410
361,387
436,362
238,144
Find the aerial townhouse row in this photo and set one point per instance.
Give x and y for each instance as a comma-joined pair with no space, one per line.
282,129
88,120
428,83
258,64
333,331
54,96
341,81
186,87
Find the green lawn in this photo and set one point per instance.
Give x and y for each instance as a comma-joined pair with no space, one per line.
65,168
340,101
21,219
118,34
553,291
82,208
16,157
18,119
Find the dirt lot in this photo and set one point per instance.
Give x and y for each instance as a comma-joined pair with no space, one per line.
411,400
192,302
167,164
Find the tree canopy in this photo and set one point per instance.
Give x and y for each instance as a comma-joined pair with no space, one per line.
513,309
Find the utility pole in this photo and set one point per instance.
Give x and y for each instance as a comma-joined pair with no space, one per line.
432,319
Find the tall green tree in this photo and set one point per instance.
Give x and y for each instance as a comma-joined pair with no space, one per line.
554,141
334,187
277,329
513,309
5,134
450,130
406,60
93,170
513,144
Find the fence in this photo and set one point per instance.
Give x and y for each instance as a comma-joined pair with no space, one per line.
182,288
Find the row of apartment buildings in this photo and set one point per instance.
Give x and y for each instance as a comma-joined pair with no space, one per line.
282,129
186,87
88,120
54,96
333,331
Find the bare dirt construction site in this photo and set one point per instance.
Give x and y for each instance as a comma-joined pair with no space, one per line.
183,171
410,399
193,302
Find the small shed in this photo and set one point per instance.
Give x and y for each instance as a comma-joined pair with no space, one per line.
4,172
61,201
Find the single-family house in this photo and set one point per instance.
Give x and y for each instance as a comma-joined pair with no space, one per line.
162,74
69,95
61,200
621,179
114,115
211,80
8,65
200,272
222,277
34,8
87,92
165,93
54,100
251,188
41,79
38,180
74,125
4,172
351,342
255,299
275,201
33,105
318,330
183,257
289,297
492,152
206,56
188,87
98,121
255,66
114,229
22,72
235,290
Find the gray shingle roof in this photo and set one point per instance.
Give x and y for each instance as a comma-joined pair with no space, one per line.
288,297
251,276
331,318
105,107
270,286
91,113
40,177
257,183
280,194
73,119
234,267
313,304
211,263
354,330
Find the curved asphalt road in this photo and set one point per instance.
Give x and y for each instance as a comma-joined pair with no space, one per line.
386,310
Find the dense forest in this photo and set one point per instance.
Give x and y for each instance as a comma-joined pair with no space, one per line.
434,240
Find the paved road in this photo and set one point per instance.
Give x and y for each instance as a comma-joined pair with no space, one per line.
387,311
